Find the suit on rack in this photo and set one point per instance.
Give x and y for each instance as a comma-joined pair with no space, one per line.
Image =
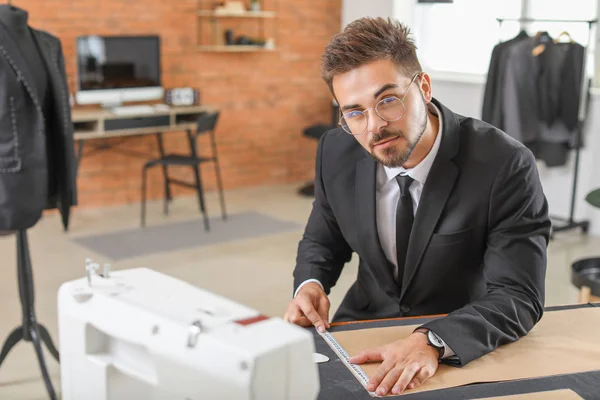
37,162
542,95
534,95
477,249
491,111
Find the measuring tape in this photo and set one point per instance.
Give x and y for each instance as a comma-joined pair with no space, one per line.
343,355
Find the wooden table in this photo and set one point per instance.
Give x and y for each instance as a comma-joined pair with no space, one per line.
338,383
94,124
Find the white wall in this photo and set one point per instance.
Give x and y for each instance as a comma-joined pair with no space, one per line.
402,10
354,9
462,97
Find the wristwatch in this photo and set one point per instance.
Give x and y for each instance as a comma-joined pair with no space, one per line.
433,340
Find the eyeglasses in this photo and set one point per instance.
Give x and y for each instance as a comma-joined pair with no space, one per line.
390,109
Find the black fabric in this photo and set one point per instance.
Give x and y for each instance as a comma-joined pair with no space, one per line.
571,77
336,381
404,223
15,21
553,154
478,244
492,99
560,75
37,160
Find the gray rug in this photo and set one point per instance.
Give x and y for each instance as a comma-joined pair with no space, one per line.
182,235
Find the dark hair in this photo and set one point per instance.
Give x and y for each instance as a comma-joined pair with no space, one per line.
366,40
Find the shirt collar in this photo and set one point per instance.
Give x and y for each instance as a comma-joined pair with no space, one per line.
420,171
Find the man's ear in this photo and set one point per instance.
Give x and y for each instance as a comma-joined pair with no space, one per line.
425,86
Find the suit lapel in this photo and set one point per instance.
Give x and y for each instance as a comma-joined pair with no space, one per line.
366,171
11,52
51,68
436,191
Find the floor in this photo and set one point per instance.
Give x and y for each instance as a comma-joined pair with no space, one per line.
256,272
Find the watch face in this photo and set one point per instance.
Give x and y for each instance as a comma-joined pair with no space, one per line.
435,339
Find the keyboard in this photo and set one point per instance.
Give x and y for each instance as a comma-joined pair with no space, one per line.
133,110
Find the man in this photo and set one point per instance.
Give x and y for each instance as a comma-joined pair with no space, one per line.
446,213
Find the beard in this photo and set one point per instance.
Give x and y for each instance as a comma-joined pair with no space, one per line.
393,156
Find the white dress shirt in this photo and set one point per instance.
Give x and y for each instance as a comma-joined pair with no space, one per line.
387,195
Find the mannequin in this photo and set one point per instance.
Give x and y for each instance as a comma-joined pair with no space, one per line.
15,20
36,158
45,80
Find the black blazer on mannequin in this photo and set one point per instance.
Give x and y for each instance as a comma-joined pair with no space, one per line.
478,246
37,162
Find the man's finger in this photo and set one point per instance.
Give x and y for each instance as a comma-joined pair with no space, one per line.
303,321
385,367
295,317
309,311
388,382
420,378
410,370
324,311
367,355
286,316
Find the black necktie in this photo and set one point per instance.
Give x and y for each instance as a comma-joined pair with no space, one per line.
404,222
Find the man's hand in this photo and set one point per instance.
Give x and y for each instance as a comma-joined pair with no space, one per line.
309,307
406,363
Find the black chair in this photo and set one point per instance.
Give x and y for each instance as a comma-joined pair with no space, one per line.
315,132
206,124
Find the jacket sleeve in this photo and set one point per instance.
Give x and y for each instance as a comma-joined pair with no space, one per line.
514,266
70,186
491,86
512,102
322,251
571,85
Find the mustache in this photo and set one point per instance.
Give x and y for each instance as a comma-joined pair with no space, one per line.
385,135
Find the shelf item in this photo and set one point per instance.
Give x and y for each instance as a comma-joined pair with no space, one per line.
230,14
234,48
237,26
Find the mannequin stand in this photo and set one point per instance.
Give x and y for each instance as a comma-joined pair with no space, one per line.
30,331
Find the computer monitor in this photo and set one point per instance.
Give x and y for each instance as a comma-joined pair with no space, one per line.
112,70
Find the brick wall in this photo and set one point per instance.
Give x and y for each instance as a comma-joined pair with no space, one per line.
265,98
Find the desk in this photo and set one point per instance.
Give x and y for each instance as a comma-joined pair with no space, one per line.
338,383
102,124
90,124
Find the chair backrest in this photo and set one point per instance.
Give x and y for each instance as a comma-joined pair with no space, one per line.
207,122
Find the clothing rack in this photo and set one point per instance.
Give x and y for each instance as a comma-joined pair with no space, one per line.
570,223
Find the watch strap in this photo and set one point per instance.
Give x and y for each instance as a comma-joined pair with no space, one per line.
425,331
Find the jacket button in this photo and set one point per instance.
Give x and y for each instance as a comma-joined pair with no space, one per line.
404,308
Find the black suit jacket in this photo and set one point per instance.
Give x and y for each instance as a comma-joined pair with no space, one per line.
37,161
477,250
491,111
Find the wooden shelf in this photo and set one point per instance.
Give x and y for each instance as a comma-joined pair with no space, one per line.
214,27
235,48
246,14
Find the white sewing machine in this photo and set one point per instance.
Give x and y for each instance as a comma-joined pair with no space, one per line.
139,334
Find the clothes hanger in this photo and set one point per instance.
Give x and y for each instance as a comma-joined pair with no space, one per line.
543,37
539,49
564,33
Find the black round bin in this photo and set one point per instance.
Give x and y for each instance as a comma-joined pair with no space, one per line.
586,272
